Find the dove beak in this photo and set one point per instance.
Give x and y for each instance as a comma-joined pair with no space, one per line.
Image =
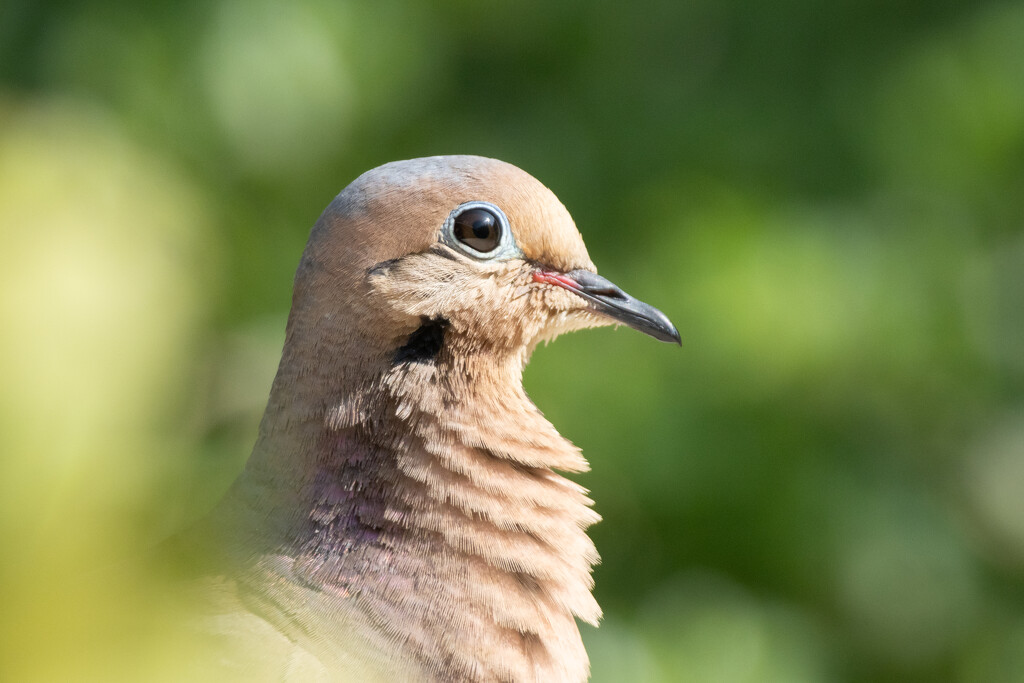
607,299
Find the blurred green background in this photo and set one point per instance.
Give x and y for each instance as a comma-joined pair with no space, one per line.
825,484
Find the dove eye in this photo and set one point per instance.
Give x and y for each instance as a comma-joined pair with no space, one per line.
478,229
481,230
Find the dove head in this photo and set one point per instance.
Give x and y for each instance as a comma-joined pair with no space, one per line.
470,248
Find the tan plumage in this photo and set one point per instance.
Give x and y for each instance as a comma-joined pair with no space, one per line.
400,517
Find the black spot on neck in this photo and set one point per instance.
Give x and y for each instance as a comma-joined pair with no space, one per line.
424,344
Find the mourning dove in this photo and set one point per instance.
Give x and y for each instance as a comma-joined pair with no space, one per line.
400,517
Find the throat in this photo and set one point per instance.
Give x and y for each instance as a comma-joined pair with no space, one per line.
456,539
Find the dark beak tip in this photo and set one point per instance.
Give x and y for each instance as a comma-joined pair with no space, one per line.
666,333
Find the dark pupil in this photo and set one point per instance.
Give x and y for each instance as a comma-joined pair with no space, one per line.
478,228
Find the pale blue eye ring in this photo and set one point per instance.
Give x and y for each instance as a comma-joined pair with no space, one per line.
481,230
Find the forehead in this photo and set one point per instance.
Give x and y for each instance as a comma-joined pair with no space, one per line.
403,204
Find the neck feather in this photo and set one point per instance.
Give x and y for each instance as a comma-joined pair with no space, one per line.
428,502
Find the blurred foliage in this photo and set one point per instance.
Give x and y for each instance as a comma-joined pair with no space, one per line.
825,484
